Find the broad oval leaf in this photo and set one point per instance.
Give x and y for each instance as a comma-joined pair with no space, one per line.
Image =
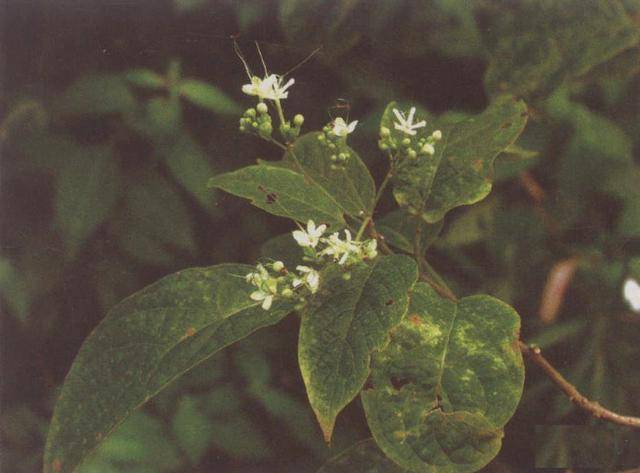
469,148
282,192
461,169
352,188
344,323
443,388
363,457
144,343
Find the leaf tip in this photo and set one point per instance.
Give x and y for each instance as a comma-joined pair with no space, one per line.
327,425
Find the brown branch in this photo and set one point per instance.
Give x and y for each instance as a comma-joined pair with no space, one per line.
535,355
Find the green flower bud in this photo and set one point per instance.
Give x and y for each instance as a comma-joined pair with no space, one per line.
298,120
333,158
346,276
436,135
384,132
278,266
286,292
342,157
266,128
383,146
254,124
428,149
406,142
321,137
332,146
262,108
251,112
412,154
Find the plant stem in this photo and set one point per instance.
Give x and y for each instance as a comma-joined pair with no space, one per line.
280,112
594,408
376,200
431,276
535,355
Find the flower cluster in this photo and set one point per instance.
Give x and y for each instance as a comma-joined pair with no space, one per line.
342,251
334,137
274,280
405,143
257,120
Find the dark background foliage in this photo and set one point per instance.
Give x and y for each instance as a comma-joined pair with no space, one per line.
103,178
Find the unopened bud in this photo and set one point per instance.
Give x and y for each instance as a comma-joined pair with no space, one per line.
262,107
251,112
437,135
384,132
406,141
428,149
298,120
412,154
278,266
286,292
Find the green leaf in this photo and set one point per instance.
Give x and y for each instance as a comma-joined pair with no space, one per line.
96,94
344,323
363,457
207,96
146,78
399,230
192,429
443,388
146,342
141,442
164,116
240,438
535,45
155,222
468,150
352,188
87,190
191,168
282,192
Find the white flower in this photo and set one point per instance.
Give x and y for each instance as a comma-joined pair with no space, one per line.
263,88
280,91
406,124
270,87
265,297
340,249
311,278
436,135
632,294
311,237
340,127
371,249
258,277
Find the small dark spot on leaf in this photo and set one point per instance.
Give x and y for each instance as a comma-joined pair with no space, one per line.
389,302
415,319
477,164
272,197
524,114
57,465
505,125
261,188
398,383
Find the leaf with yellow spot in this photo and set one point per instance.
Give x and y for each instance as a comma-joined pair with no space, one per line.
443,388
